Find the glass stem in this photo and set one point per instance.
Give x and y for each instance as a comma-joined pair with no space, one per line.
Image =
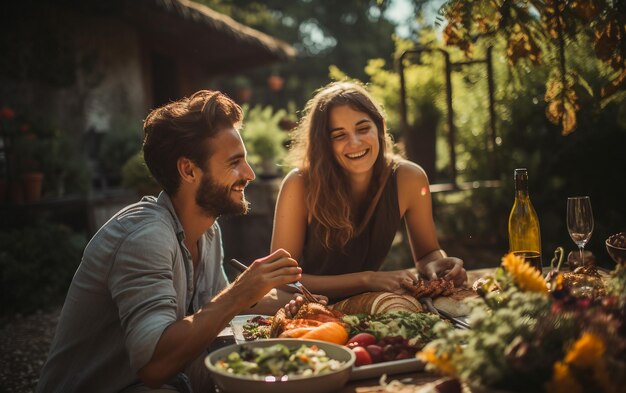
582,258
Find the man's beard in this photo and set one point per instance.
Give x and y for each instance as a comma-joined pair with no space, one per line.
215,199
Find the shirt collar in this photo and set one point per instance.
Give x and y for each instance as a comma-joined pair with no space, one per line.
165,201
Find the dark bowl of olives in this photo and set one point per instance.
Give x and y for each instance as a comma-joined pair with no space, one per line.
616,247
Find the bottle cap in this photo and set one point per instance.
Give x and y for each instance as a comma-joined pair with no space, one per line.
521,179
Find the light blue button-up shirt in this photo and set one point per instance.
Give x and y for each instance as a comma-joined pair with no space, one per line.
135,279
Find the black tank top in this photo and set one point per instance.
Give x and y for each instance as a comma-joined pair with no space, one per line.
367,249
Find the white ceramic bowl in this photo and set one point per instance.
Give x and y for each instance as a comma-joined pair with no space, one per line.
328,382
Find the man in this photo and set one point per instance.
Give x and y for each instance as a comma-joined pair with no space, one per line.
150,294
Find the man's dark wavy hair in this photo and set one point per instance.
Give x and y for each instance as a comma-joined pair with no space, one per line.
180,129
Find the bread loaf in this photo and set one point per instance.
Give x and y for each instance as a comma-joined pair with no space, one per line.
376,303
454,305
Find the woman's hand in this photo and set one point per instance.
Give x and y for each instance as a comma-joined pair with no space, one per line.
450,268
391,281
294,304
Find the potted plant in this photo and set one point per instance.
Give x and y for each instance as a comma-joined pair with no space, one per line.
62,175
30,151
23,147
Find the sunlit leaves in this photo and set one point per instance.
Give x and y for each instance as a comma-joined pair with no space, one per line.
554,19
454,35
521,45
456,32
587,10
608,37
539,31
615,85
562,100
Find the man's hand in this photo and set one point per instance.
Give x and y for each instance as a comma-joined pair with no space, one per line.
264,274
294,304
450,268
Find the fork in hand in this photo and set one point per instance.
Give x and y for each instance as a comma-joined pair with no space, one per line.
297,285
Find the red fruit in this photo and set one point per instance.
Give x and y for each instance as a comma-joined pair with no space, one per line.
403,354
362,340
376,352
389,353
394,339
362,356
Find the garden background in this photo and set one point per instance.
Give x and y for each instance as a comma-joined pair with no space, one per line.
559,109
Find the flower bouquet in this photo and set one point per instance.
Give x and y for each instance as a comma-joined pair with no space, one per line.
533,335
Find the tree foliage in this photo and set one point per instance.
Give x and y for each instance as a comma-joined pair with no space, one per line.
538,32
325,32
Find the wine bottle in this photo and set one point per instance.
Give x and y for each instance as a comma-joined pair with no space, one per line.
524,233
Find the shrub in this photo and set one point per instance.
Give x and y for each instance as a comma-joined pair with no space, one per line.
264,138
36,266
136,176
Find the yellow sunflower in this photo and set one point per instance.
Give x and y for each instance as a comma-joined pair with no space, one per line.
442,363
563,381
526,277
586,352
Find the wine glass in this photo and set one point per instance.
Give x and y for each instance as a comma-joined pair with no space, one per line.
580,222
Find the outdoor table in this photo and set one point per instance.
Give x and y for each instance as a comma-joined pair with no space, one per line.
418,377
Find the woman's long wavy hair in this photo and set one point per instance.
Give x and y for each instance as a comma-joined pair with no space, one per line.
328,196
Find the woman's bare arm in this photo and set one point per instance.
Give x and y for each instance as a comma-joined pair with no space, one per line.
290,217
416,207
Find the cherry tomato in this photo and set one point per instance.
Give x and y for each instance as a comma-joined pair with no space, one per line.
362,340
362,356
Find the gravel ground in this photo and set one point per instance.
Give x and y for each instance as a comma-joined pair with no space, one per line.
24,343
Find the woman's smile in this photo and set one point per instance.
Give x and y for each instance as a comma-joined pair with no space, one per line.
358,155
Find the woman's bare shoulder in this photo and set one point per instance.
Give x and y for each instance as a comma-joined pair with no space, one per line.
294,184
295,178
411,173
412,181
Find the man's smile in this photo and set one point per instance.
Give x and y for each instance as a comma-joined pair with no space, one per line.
239,187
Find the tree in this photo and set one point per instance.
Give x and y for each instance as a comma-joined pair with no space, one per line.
325,32
539,31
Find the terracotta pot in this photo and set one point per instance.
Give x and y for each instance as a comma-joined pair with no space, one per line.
31,185
275,82
244,94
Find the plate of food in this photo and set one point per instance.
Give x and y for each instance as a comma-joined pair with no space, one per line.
281,365
250,327
386,355
384,342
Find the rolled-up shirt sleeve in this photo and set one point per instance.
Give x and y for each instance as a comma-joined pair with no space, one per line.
141,284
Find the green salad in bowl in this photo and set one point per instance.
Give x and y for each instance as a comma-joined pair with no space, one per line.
281,365
279,361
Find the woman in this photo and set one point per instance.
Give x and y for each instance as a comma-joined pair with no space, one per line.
338,212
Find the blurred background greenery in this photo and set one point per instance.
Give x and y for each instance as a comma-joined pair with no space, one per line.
560,111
